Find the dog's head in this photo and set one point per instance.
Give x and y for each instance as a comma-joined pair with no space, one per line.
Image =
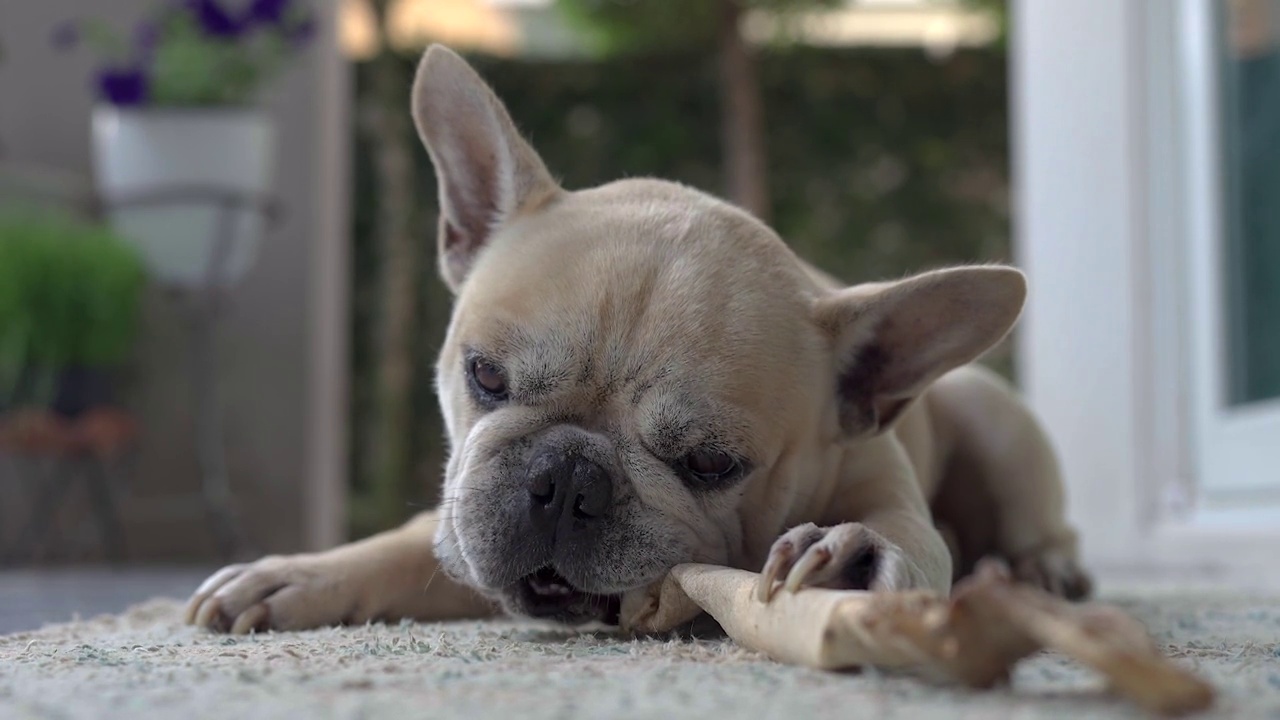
625,363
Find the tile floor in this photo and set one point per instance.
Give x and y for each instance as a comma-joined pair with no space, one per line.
30,598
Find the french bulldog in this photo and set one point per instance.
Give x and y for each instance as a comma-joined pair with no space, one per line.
639,375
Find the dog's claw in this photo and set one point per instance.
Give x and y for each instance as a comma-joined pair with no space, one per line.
779,560
783,555
848,556
813,560
252,619
1056,571
210,614
206,590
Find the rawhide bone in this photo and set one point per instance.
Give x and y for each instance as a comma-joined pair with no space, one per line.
973,637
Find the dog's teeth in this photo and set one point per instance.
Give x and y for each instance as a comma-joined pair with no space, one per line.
551,588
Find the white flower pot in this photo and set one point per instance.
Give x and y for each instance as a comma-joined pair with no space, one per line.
143,151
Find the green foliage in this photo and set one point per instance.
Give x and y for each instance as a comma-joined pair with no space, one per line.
883,163
194,69
194,53
69,295
622,26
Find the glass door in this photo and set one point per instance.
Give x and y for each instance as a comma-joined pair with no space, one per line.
1231,106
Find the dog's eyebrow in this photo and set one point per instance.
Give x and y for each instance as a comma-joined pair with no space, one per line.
642,385
674,418
540,370
538,377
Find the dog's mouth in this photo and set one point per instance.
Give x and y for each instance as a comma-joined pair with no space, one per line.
547,594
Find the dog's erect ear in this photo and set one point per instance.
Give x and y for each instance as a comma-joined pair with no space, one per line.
893,339
485,170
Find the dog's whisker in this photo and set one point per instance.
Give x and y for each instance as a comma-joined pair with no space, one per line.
431,579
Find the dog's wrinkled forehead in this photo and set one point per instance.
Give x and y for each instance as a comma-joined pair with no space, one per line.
634,284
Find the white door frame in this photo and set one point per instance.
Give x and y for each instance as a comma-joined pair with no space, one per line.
1236,458
1104,352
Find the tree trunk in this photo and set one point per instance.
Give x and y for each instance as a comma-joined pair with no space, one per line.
388,118
742,117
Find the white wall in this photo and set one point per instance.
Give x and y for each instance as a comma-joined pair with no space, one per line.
1101,226
1074,170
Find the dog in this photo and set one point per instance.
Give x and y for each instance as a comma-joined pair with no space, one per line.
639,375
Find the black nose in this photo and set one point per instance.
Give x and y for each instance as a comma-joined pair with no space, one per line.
568,492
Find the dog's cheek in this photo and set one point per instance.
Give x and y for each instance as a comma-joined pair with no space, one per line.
638,547
669,520
701,524
492,524
445,548
454,406
485,503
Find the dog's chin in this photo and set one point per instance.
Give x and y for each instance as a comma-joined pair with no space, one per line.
546,594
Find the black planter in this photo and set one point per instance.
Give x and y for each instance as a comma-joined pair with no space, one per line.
82,388
75,390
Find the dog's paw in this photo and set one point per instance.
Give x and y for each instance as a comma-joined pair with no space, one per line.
1055,571
844,557
292,592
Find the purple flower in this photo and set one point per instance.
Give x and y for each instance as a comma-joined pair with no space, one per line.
213,19
66,35
268,12
127,86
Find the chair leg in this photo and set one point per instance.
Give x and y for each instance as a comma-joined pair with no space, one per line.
51,493
98,484
215,487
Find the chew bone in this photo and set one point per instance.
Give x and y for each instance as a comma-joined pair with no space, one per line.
974,637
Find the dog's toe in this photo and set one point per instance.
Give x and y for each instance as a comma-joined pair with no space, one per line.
282,593
200,598
240,598
786,550
849,556
1055,572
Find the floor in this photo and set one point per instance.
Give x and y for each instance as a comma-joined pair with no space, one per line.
147,664
32,598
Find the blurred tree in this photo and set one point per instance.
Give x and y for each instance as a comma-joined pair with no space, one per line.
620,26
1,61
886,161
389,473
999,11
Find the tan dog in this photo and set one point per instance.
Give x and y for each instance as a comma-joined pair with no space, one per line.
639,375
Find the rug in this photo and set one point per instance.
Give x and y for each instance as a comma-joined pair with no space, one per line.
145,664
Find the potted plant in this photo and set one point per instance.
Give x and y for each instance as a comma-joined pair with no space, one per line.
176,112
69,301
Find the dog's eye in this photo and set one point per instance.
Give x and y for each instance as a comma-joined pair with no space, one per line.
710,464
489,378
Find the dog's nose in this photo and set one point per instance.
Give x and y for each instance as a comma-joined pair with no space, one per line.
593,493
564,487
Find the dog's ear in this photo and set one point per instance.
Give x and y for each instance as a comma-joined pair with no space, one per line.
893,339
485,170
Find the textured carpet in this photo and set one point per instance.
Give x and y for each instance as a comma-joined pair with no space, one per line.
145,664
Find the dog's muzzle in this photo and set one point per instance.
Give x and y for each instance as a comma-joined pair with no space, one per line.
569,498
547,594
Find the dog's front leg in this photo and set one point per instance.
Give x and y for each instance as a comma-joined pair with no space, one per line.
389,576
877,536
